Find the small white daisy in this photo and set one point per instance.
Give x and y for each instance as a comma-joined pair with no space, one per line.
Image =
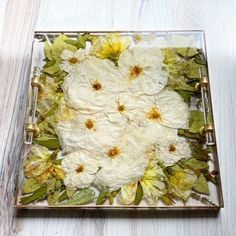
122,109
167,108
80,170
143,70
123,163
70,60
172,149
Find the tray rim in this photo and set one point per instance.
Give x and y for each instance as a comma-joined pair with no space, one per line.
125,207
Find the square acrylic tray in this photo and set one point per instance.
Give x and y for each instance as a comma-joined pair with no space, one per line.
119,120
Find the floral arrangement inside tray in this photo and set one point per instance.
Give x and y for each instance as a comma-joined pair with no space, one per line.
118,123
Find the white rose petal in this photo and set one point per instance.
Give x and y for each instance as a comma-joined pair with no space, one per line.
70,60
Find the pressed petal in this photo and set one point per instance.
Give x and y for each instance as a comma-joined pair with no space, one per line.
127,193
174,110
79,169
142,69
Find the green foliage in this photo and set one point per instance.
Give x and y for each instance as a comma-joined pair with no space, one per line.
83,197
39,194
50,142
196,121
30,185
80,41
202,185
139,194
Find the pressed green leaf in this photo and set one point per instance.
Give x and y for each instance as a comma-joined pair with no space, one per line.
187,52
139,194
185,133
50,142
39,194
202,185
57,162
49,64
63,196
52,70
196,121
54,155
51,184
199,152
214,180
193,69
179,83
167,199
59,45
83,197
81,41
70,192
30,185
58,184
72,42
186,95
53,197
47,51
200,58
103,196
195,164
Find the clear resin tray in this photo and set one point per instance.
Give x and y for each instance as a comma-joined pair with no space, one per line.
119,120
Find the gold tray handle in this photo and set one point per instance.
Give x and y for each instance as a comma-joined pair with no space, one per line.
208,129
30,128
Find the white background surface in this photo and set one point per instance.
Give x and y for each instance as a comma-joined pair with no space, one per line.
18,20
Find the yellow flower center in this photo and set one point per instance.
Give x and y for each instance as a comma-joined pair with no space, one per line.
89,124
172,148
121,107
135,71
79,169
73,60
113,152
96,85
154,114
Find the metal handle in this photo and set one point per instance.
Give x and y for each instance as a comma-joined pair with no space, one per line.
208,129
31,128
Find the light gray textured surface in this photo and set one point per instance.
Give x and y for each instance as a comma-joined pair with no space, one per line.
18,19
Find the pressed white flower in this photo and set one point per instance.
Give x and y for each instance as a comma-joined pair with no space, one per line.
122,108
168,110
87,132
156,134
172,149
96,83
80,169
127,193
123,163
174,112
143,70
70,60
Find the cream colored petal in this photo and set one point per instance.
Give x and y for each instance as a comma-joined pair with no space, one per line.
174,110
127,194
